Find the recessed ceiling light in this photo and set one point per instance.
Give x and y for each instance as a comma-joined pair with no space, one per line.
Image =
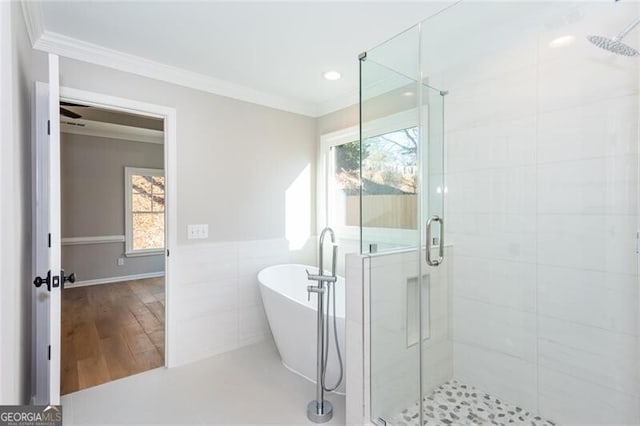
562,41
408,94
332,75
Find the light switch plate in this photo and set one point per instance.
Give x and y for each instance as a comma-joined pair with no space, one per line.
197,232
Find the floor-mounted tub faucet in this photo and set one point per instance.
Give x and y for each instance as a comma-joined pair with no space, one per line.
319,410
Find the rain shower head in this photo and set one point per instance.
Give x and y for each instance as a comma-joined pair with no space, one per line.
615,45
612,45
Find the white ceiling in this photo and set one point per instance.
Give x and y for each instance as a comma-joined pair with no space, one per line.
277,49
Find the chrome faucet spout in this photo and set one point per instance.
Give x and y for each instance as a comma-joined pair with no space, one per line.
321,248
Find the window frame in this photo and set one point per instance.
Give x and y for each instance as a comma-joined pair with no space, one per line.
327,143
128,212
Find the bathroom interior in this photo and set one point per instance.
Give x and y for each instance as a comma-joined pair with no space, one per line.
467,222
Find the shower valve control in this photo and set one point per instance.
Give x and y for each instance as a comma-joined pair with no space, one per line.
313,289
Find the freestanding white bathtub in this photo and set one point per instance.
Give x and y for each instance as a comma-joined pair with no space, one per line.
293,320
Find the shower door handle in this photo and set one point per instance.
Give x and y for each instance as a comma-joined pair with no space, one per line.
438,261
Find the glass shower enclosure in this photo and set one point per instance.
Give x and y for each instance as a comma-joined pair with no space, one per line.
499,191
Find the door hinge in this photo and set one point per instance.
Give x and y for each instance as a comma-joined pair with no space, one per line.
167,252
49,239
48,127
49,354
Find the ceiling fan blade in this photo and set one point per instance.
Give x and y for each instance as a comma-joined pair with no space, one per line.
68,113
71,104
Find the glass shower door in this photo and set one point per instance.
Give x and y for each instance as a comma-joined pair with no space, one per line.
390,224
436,367
402,188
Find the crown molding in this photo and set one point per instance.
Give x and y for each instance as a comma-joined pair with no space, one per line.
336,104
73,48
32,14
377,88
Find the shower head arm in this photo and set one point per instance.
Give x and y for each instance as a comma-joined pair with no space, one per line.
627,30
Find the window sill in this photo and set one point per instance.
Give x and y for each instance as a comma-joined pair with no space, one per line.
140,253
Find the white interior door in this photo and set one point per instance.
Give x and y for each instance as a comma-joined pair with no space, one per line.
48,273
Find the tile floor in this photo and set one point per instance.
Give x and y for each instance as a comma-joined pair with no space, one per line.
246,386
455,403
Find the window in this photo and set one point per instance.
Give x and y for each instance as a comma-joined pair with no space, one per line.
389,179
389,182
144,216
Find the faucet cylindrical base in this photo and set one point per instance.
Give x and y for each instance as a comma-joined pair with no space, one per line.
319,412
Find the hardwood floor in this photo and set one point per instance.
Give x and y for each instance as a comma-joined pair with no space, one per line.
110,331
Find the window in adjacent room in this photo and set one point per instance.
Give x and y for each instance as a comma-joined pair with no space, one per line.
144,216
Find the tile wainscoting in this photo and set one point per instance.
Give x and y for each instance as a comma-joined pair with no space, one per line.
214,298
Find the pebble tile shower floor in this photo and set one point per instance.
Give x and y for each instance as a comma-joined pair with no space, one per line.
456,403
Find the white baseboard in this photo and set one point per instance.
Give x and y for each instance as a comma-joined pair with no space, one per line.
114,279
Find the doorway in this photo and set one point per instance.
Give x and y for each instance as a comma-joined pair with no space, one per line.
46,225
113,240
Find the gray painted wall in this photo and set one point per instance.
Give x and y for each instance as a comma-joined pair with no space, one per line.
378,107
246,155
93,203
338,120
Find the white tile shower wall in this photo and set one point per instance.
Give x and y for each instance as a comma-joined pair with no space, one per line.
503,283
572,400
346,246
542,169
560,288
600,356
486,325
589,131
511,378
216,304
